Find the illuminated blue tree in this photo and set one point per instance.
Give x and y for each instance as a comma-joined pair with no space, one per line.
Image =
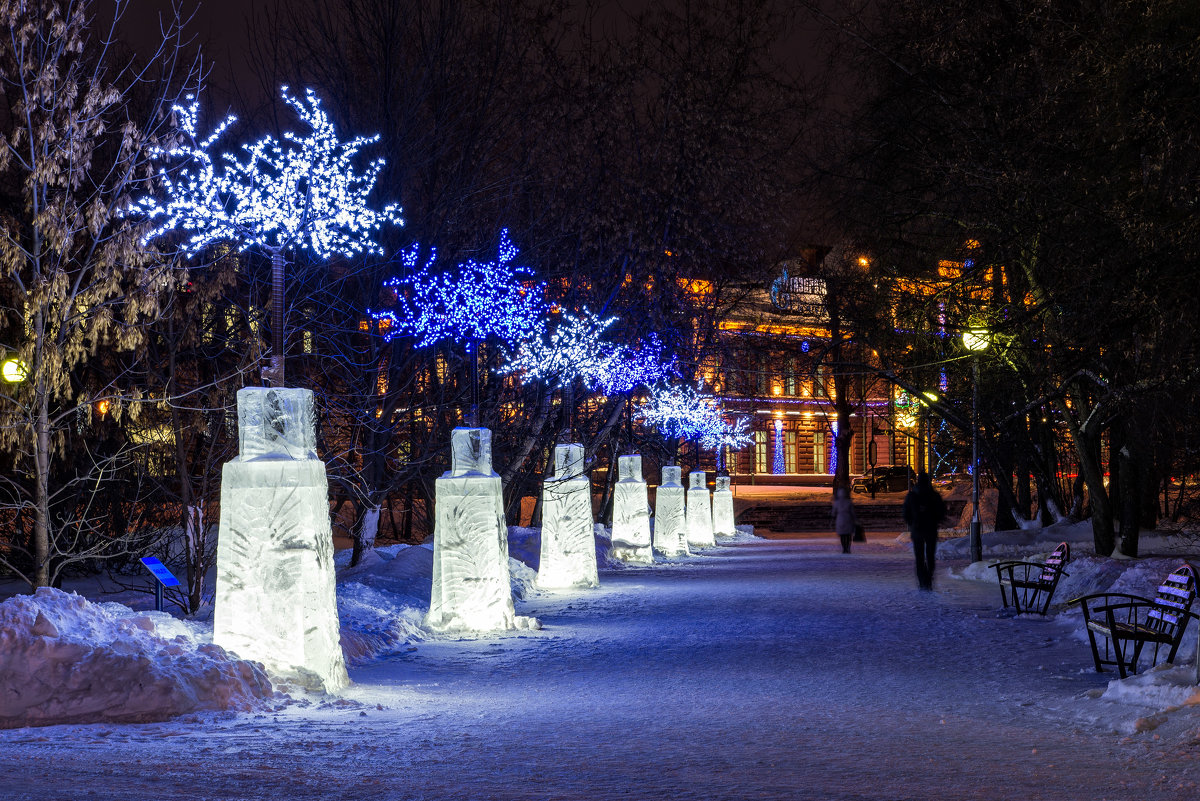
628,368
299,193
477,302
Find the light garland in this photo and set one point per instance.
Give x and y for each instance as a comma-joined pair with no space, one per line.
686,412
301,192
777,465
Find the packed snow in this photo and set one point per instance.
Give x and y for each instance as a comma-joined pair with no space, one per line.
725,649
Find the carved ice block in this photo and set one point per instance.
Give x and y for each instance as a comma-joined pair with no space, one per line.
276,423
670,526
631,515
275,598
471,588
568,556
722,509
568,460
699,512
471,452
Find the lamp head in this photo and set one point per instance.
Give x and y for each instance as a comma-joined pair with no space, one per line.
13,370
976,339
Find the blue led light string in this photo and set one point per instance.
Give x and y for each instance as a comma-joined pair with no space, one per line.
475,302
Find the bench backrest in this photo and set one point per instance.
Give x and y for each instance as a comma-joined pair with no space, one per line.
1055,561
1174,598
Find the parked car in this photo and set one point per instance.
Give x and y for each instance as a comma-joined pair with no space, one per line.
895,478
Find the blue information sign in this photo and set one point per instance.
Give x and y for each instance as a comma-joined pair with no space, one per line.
160,571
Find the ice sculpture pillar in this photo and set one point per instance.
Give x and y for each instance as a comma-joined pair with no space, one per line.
699,512
471,588
670,525
722,509
568,538
631,516
275,600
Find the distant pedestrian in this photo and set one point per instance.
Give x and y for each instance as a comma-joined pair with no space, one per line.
844,519
923,511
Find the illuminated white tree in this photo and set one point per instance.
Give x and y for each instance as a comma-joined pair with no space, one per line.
726,433
680,411
684,412
299,193
574,349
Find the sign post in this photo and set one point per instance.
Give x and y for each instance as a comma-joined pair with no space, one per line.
165,578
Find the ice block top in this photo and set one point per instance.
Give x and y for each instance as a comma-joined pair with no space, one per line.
697,479
673,476
471,452
722,483
568,460
629,468
276,423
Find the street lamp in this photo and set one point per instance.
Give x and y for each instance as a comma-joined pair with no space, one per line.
975,340
13,370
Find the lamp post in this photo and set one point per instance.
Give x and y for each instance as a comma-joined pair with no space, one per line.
976,340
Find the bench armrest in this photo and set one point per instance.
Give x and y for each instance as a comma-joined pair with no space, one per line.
1084,599
1030,567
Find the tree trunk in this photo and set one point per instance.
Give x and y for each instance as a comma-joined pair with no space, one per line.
1126,472
41,457
366,529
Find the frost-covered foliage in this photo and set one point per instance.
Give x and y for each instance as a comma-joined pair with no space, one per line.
64,659
302,192
476,302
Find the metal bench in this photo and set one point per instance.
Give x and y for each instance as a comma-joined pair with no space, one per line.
1127,623
1029,586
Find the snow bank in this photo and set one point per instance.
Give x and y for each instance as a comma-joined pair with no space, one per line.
64,659
375,623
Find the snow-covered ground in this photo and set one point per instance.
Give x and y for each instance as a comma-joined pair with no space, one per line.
757,669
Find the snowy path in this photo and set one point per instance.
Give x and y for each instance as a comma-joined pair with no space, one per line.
772,669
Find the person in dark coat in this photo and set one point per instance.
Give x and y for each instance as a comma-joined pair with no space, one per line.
923,512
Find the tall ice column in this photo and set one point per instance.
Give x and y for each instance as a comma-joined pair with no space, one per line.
471,588
699,512
631,516
722,509
670,523
275,600
568,535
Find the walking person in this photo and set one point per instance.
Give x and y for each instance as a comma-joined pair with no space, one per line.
923,512
844,519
